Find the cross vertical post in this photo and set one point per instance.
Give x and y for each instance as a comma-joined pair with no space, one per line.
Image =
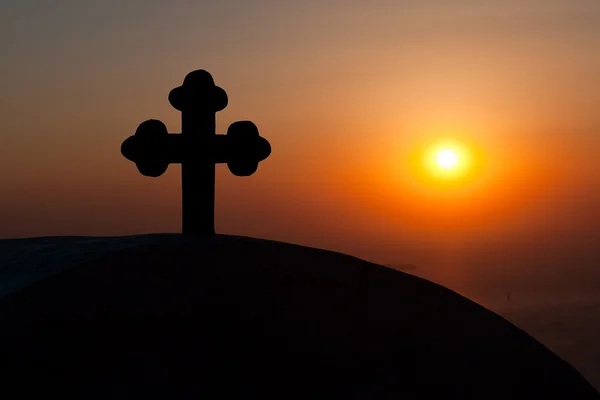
197,173
199,100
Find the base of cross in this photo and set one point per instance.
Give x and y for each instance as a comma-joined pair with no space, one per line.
198,148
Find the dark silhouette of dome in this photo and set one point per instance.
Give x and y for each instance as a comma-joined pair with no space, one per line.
169,316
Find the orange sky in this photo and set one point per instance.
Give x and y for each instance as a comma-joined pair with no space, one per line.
343,90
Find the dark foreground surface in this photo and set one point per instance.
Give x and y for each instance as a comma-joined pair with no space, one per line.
168,317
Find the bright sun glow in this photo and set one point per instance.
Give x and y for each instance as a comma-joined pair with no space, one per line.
447,158
446,163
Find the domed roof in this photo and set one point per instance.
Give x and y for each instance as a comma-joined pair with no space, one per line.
168,316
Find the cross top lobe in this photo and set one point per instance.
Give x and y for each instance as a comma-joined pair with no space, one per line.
198,92
198,148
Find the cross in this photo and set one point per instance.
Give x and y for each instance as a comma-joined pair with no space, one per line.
198,148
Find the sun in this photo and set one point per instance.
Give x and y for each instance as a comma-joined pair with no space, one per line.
447,158
448,161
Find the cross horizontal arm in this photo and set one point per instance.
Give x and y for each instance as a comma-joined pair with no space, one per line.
218,148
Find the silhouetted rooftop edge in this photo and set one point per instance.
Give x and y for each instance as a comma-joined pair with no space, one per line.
172,316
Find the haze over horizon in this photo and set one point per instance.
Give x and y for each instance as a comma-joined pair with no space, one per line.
345,91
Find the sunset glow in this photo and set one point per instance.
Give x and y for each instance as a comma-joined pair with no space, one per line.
394,125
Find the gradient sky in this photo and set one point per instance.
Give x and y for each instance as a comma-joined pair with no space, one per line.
344,91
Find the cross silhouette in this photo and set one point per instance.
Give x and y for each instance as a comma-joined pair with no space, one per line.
198,148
